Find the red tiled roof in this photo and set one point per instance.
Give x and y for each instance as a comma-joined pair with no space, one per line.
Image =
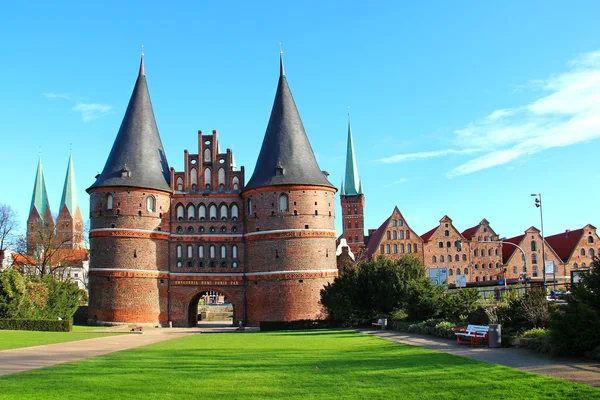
375,238
564,243
508,250
468,233
63,255
428,235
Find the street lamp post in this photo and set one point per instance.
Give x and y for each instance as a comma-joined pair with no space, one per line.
538,204
522,251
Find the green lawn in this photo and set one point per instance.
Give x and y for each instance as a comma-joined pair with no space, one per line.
284,365
18,339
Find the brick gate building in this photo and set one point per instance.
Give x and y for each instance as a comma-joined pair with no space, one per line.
161,238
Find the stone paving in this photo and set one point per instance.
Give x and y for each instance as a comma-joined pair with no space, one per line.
576,370
24,359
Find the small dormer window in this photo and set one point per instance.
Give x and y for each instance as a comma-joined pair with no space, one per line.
125,172
279,170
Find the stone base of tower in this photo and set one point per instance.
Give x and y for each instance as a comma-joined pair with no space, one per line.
127,300
285,299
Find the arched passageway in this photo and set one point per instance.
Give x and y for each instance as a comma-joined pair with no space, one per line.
210,308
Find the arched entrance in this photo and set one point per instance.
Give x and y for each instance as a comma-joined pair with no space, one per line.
210,308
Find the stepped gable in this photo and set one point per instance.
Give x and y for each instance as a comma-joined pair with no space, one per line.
137,158
286,156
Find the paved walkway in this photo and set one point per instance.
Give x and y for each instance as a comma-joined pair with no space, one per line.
576,370
24,359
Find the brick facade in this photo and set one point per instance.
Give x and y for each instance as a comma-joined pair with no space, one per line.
353,222
153,259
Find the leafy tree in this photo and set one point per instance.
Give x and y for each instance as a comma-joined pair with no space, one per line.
9,224
64,297
379,288
42,251
15,301
459,302
575,327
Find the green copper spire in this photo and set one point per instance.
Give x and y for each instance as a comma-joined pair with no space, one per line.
39,200
69,196
352,187
342,189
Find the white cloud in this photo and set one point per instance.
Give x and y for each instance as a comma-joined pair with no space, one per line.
88,111
566,112
426,154
397,182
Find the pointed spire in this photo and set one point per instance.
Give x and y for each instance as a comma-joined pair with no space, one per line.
281,69
232,164
39,199
352,181
142,62
69,195
286,157
137,158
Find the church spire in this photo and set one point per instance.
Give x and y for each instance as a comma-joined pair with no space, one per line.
286,156
353,184
137,158
39,199
69,195
142,63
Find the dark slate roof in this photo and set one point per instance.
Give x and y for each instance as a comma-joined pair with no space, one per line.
137,158
286,157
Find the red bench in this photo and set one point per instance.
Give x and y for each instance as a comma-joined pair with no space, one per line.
475,335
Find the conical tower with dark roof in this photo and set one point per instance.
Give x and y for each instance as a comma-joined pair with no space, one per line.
69,223
128,245
289,221
353,200
39,212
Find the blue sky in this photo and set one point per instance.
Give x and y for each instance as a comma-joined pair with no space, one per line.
461,109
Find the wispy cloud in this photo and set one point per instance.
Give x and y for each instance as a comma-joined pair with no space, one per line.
397,182
88,111
566,112
425,154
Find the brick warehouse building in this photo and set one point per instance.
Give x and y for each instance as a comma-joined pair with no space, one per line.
161,238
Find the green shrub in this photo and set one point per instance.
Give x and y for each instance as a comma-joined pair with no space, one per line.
535,333
22,297
36,325
459,302
574,327
382,288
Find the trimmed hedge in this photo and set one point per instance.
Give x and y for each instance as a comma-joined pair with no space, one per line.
301,324
36,325
424,328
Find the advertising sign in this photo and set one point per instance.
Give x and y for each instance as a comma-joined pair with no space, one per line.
549,267
439,276
461,281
